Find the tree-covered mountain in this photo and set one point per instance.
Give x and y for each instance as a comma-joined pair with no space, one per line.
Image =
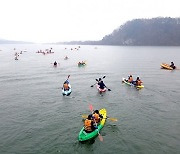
142,32
148,32
138,32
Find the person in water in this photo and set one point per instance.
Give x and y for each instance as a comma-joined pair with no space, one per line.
138,81
89,124
55,63
97,116
172,65
101,84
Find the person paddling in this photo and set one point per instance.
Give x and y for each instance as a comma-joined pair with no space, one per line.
130,79
101,84
172,65
138,81
89,124
65,85
97,116
55,63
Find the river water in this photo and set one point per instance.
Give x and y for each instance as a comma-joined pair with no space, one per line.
35,118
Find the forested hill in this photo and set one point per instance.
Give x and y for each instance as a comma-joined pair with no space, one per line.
146,32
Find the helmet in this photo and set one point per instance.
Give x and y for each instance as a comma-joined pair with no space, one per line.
96,111
89,117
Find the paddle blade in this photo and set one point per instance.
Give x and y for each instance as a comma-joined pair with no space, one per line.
109,89
100,137
113,119
104,77
84,116
91,107
68,76
92,85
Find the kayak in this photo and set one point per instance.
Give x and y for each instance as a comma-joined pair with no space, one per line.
130,84
83,136
166,66
99,89
67,92
66,58
81,64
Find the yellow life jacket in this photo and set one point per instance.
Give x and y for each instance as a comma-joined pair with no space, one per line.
87,125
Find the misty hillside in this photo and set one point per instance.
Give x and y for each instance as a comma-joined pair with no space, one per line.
2,41
138,32
147,32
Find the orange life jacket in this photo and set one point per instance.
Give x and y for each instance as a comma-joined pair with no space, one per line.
66,87
97,118
130,79
139,83
87,125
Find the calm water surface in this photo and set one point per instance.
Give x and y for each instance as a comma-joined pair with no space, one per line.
35,118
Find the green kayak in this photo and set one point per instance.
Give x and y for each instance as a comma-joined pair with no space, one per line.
83,136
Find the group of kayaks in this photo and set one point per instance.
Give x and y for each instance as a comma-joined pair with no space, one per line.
83,135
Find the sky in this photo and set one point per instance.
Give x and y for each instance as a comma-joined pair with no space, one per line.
48,21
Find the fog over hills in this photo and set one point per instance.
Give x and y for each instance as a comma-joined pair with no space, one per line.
138,32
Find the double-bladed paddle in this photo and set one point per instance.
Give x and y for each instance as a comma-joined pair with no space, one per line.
112,119
97,81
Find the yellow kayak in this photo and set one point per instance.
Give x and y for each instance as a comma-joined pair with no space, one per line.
166,66
130,84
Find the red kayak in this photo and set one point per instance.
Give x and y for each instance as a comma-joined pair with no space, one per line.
101,90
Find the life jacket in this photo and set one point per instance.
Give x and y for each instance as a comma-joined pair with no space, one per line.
139,82
66,87
87,125
96,117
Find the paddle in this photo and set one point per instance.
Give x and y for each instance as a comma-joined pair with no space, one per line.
99,135
56,64
112,119
98,80
108,88
68,77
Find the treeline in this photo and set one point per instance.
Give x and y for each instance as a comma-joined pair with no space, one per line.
2,41
142,32
148,32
